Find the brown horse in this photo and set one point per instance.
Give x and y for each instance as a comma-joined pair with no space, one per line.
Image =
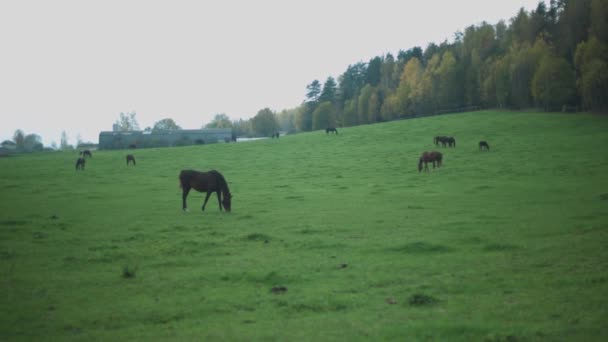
211,181
331,130
86,153
80,164
430,157
484,144
130,158
449,141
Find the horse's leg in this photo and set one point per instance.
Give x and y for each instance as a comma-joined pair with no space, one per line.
185,191
206,199
219,199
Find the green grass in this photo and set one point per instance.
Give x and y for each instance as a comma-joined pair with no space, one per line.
504,245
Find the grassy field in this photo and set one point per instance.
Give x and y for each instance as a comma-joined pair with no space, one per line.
506,245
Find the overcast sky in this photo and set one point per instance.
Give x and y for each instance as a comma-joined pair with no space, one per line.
75,65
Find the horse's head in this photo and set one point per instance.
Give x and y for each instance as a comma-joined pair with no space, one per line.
420,164
227,201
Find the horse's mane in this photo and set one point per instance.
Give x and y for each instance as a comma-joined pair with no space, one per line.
223,182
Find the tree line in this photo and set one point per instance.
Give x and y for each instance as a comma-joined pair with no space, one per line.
554,58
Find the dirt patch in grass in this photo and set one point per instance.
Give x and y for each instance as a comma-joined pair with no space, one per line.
257,237
420,299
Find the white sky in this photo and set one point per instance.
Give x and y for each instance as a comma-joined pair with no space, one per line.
74,65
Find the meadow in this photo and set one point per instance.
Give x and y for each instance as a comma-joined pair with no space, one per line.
331,237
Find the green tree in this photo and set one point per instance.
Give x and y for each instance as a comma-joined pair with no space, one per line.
388,67
19,139
409,92
350,112
242,128
363,104
374,106
165,124
591,65
351,81
429,85
127,122
264,123
329,90
287,120
323,116
599,20
553,83
374,71
219,121
449,82
304,116
32,143
313,91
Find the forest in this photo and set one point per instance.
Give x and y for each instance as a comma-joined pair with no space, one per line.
554,58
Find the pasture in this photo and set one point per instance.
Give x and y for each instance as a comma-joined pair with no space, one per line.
331,237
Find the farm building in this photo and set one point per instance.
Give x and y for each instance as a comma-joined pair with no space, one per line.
164,138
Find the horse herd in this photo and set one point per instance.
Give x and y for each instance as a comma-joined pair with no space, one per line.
208,182
81,161
213,181
436,158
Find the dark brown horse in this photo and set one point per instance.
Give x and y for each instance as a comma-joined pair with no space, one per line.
80,164
430,157
439,139
484,144
331,129
449,141
209,182
130,158
86,153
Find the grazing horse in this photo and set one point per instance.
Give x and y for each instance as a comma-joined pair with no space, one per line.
449,141
430,157
439,139
484,144
80,163
211,181
86,153
130,158
331,129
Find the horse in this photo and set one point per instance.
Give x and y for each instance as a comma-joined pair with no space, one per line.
331,129
211,181
80,163
86,153
430,157
439,139
451,142
130,158
444,140
484,144
275,135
